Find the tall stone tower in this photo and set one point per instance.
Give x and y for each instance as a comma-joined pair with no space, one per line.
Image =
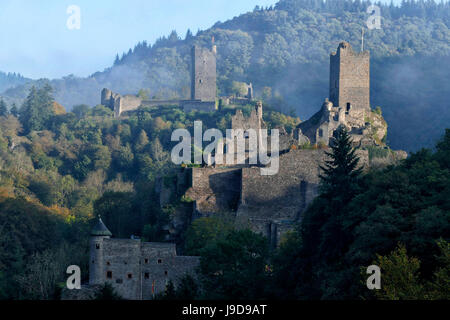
350,80
203,74
96,264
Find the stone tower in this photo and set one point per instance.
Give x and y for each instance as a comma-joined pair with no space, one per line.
96,264
350,79
107,96
203,74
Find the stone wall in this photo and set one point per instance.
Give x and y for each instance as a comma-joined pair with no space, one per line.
119,103
255,121
160,264
140,270
126,103
271,205
156,103
121,258
214,189
197,105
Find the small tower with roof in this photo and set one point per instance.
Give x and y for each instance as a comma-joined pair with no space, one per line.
96,264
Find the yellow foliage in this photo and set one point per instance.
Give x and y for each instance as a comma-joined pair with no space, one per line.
58,109
4,193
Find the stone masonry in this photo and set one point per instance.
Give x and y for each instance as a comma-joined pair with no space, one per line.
271,205
203,88
203,74
350,81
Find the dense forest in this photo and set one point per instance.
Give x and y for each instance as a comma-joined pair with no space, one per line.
283,50
60,170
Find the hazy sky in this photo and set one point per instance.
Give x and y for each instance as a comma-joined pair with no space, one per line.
37,43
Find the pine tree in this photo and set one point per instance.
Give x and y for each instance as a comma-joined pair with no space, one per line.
3,108
142,141
14,110
189,35
340,172
37,109
117,60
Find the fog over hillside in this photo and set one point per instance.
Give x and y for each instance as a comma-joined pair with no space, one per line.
286,48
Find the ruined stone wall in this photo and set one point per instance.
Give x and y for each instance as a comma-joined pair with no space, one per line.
197,105
255,121
126,103
156,103
271,205
203,74
350,78
285,195
214,189
119,103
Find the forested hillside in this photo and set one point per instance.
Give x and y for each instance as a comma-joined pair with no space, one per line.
59,170
283,50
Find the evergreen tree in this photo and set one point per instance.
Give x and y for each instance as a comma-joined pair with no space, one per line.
37,109
341,171
189,35
107,292
14,110
142,141
187,289
117,60
325,236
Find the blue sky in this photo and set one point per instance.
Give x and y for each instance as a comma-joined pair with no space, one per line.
37,43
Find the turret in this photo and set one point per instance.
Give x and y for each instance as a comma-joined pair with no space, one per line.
96,264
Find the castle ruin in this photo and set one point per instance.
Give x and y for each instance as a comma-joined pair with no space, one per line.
203,88
136,270
348,105
272,205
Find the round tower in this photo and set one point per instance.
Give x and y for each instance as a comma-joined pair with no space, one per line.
106,97
96,263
